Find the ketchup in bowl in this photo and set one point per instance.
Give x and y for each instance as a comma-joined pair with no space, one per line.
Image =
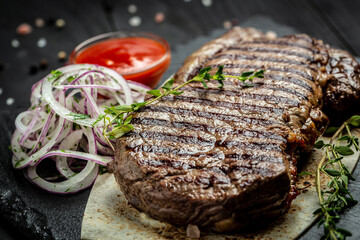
137,56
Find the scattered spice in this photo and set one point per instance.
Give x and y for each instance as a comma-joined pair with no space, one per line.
62,56
135,21
234,21
43,64
60,23
206,3
41,42
192,231
39,22
159,17
227,24
24,29
132,8
51,21
15,43
33,69
10,101
271,34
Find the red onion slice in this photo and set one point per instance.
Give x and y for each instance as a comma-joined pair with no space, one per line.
58,126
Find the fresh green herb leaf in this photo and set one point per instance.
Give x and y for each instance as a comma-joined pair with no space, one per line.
332,172
246,74
318,211
259,74
204,84
319,144
346,137
345,179
219,76
168,85
137,106
120,131
204,71
176,93
344,232
355,121
101,117
78,116
128,120
54,75
124,108
71,78
17,164
330,131
344,150
155,92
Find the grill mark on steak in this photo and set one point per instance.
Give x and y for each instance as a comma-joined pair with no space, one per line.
233,56
296,81
252,170
204,142
173,138
219,156
180,151
207,128
246,156
179,165
272,85
218,116
263,65
223,158
280,42
250,145
300,73
265,57
270,98
248,107
282,88
288,90
272,50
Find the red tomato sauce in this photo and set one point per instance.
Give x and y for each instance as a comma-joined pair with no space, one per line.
138,59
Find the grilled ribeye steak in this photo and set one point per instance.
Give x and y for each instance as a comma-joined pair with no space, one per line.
224,158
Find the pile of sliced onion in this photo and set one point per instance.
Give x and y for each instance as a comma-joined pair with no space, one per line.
49,131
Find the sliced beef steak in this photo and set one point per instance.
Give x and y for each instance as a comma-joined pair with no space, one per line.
225,158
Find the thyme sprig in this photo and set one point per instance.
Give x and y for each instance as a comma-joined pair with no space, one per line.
117,118
338,197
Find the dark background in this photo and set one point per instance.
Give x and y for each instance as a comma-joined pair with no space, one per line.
26,211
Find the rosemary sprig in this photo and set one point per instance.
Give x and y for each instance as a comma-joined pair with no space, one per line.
117,118
338,197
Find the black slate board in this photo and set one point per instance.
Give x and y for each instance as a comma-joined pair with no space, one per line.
59,217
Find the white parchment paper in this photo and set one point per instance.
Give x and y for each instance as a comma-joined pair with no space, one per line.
109,216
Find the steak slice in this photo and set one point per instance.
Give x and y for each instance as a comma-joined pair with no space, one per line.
226,158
